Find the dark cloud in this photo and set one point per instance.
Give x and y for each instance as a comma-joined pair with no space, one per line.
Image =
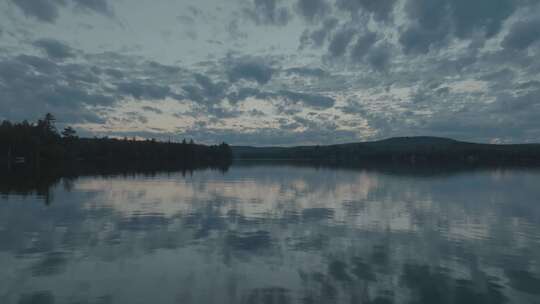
41,297
43,10
248,68
48,10
433,23
307,71
65,96
380,9
244,93
152,109
114,73
313,10
41,64
194,93
268,12
310,100
363,45
340,41
533,84
419,40
211,89
54,49
430,24
511,105
130,117
379,56
32,86
141,90
98,6
205,91
318,37
485,15
522,34
429,14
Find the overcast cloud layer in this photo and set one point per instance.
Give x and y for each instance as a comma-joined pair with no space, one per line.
275,72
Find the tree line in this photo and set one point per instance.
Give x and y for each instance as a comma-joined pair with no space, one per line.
40,141
404,150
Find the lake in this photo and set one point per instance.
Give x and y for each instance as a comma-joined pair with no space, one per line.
274,233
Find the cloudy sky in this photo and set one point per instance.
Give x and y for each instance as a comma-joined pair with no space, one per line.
275,72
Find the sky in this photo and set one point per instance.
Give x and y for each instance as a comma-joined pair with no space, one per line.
275,72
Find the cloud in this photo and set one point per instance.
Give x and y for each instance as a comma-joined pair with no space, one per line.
140,90
54,49
273,136
313,10
365,50
267,12
211,89
42,297
310,100
485,15
380,9
32,86
379,56
41,64
205,91
244,93
418,40
152,109
434,22
45,10
522,34
249,68
48,10
363,45
186,20
318,37
98,6
340,41
307,71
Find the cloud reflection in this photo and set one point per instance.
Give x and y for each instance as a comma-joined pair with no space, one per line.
277,234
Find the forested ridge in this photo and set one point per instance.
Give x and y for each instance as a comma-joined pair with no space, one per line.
421,149
38,142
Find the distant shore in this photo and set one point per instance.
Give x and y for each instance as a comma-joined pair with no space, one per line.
407,150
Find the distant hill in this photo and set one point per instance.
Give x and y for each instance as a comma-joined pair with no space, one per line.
420,149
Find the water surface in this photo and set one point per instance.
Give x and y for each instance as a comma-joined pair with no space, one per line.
267,233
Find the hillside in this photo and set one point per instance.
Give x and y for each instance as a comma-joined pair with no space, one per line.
420,149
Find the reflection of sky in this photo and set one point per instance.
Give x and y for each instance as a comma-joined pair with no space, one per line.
275,234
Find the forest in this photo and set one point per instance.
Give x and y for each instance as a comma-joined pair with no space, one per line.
405,150
41,143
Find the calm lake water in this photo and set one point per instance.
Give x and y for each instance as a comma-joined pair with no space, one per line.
271,233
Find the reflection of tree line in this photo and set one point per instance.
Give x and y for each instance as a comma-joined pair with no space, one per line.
31,180
390,168
40,142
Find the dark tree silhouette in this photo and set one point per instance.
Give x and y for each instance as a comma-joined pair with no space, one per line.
404,150
40,141
69,133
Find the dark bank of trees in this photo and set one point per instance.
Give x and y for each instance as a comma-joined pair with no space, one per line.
41,142
404,150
